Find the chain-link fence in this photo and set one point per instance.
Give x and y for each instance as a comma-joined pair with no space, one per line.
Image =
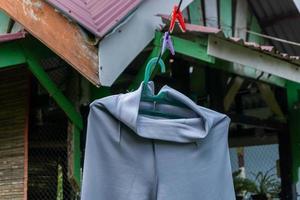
256,169
48,163
257,159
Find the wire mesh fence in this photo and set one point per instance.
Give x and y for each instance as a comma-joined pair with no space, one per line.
256,170
48,163
256,159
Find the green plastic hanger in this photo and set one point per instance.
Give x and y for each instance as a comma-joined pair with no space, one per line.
161,98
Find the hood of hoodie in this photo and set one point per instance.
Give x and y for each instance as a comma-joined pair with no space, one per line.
125,108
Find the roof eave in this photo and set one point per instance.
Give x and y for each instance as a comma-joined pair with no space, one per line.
56,32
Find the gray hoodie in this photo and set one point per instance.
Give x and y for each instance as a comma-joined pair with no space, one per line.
130,156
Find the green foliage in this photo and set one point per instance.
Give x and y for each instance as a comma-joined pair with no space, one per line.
264,184
267,184
59,195
243,185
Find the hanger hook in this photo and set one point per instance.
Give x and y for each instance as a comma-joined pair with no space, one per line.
150,67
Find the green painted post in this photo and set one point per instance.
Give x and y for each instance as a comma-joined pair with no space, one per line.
254,26
38,71
195,9
226,16
11,54
293,94
4,22
97,93
76,155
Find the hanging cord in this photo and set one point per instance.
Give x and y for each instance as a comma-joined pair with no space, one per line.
160,54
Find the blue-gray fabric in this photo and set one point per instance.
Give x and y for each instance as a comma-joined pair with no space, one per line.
130,156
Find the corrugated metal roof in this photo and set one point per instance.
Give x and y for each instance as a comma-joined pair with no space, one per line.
279,19
12,36
98,16
271,50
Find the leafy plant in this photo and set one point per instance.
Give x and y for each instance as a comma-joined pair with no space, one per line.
264,186
267,184
242,185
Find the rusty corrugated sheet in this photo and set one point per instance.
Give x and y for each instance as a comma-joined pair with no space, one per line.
98,16
12,36
271,50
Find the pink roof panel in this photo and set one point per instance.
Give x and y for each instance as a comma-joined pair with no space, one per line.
98,16
12,36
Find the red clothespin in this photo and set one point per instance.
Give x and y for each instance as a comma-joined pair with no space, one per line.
177,16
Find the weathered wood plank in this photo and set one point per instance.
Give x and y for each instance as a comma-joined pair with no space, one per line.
237,53
232,92
56,32
269,97
13,103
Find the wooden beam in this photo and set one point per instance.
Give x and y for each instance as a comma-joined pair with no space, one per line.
252,141
56,32
257,123
268,96
234,52
232,92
